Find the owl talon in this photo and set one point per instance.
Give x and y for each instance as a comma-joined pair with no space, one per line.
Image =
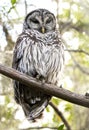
38,77
41,78
43,81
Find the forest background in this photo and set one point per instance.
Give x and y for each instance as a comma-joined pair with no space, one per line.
73,23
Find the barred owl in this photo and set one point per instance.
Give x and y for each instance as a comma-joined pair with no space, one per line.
38,52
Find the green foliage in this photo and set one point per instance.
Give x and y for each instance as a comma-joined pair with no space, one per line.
7,120
68,107
61,127
13,2
56,101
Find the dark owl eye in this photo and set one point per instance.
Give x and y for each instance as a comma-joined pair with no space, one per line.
35,21
48,21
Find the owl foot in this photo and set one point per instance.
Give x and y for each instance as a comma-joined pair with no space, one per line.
40,78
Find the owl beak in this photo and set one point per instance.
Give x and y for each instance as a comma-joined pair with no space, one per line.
43,30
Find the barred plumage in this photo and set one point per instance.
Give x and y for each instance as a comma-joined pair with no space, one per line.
37,54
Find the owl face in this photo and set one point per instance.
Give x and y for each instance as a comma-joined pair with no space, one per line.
41,20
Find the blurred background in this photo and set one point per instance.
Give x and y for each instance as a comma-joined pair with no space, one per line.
73,23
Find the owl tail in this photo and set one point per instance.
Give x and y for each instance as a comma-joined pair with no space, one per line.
34,111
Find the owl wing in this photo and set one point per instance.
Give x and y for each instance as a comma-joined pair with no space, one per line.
18,50
32,101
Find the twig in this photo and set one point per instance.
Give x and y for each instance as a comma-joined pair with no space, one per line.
5,93
8,38
60,115
25,2
54,128
6,52
47,88
82,69
77,51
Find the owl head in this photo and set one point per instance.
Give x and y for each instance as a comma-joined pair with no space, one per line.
41,20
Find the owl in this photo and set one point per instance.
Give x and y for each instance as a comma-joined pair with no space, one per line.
38,53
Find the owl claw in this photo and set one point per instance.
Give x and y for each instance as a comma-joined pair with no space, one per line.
41,78
38,77
43,81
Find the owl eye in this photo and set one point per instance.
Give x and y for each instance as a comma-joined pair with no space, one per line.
35,21
48,21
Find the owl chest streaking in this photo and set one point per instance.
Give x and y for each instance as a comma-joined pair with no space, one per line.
38,52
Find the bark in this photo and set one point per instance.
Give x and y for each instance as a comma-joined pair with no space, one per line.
50,89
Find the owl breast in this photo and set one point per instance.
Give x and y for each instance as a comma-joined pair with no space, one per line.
43,54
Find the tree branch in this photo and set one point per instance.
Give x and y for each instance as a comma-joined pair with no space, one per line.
82,69
77,51
47,88
79,26
60,115
25,4
8,38
30,128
